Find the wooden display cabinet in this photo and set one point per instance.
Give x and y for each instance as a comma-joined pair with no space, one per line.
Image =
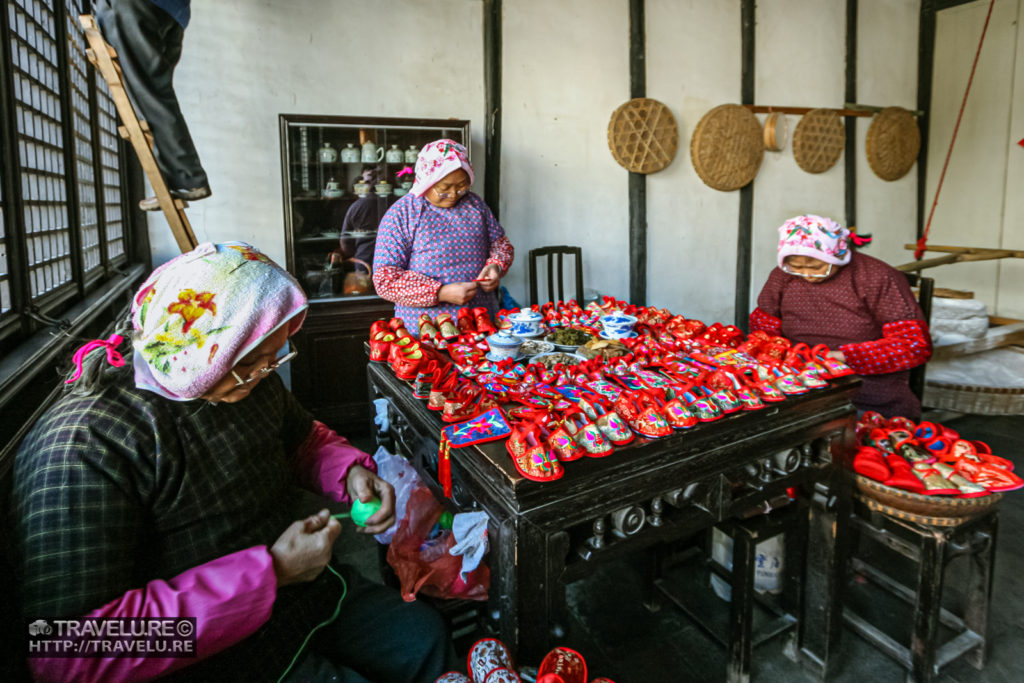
332,259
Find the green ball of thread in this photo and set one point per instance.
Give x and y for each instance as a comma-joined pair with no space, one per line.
363,511
445,521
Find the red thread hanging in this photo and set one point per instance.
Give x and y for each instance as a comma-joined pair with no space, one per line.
923,242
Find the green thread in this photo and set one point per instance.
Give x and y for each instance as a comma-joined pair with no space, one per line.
328,622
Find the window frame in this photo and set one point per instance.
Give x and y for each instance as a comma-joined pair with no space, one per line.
37,333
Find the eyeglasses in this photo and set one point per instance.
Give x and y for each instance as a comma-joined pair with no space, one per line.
460,190
264,371
785,269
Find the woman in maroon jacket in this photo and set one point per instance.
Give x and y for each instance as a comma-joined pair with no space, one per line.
825,293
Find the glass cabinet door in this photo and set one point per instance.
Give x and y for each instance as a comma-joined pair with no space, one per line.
340,176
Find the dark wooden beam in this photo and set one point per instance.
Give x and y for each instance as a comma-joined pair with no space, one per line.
637,181
850,161
925,57
492,97
741,304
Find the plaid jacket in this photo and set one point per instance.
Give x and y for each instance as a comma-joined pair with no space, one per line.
117,489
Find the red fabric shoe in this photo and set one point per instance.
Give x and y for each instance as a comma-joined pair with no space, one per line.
562,665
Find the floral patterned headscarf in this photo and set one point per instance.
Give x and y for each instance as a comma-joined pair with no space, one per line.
436,160
814,236
198,314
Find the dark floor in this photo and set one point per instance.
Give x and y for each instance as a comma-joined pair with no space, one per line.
625,642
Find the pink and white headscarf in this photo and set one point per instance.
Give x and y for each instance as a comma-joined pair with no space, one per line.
198,314
436,160
814,236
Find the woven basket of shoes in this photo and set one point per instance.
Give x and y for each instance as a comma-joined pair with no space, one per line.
643,135
727,147
892,143
915,507
818,140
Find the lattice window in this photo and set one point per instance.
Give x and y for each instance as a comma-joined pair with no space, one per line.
110,163
40,142
78,70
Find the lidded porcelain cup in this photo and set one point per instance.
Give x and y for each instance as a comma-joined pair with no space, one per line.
394,155
504,345
526,322
350,155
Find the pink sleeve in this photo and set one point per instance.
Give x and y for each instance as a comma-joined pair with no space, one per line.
324,459
230,598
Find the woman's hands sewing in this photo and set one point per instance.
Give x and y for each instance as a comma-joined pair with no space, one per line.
364,485
489,278
304,549
458,293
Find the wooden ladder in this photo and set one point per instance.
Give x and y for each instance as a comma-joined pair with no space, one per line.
104,58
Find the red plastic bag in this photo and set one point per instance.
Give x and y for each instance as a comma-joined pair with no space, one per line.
424,565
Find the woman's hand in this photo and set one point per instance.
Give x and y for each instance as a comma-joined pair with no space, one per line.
489,278
838,355
364,485
304,549
458,293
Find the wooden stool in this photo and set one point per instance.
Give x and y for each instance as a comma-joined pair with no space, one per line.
931,547
738,634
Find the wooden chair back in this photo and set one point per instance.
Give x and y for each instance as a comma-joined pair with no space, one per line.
555,257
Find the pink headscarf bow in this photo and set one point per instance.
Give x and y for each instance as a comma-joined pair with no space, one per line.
436,160
110,344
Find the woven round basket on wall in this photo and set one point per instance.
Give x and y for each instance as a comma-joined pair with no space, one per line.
818,140
892,143
727,147
973,399
643,135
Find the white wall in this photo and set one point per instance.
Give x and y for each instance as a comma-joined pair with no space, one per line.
246,61
980,204
565,70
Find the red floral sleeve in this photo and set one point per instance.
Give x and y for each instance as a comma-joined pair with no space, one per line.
405,287
502,253
904,344
759,320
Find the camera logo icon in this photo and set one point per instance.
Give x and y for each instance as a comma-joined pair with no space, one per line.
40,627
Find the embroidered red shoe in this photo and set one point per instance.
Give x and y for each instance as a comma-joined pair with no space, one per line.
464,321
532,458
870,463
587,435
562,665
380,346
483,321
486,655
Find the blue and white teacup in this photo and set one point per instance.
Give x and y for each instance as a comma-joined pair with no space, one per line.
618,325
526,322
503,345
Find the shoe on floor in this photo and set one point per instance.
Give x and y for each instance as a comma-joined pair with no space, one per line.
152,204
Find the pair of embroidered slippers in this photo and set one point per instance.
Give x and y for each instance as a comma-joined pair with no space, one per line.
489,661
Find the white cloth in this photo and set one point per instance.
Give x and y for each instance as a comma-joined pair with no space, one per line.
470,531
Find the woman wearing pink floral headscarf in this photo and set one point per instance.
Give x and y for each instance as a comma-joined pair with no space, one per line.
162,485
439,248
824,292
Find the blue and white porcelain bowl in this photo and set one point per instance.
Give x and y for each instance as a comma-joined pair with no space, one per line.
503,345
526,322
618,325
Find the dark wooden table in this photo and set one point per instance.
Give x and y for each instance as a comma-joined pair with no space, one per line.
545,535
